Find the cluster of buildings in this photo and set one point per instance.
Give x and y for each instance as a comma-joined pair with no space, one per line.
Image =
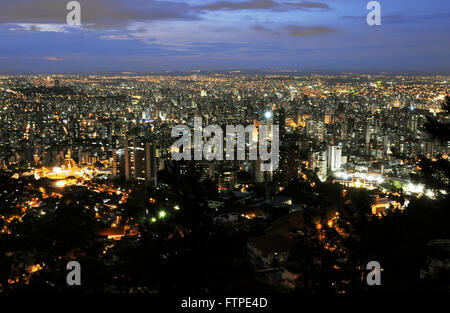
352,122
359,130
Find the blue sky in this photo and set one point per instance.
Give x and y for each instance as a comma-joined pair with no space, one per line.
147,35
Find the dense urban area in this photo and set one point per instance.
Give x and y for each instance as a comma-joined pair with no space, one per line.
87,174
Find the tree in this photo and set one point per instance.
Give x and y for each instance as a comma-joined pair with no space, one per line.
440,129
436,174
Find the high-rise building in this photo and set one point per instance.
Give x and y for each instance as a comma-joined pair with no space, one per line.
255,170
429,149
140,161
206,170
334,158
322,165
227,179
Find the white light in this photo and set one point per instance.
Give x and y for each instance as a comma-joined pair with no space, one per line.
268,114
60,183
415,188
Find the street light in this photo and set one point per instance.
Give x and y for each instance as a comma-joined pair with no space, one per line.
268,114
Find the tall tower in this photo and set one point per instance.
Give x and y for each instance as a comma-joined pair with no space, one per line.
140,159
334,158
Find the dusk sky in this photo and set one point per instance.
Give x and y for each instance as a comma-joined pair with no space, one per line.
147,35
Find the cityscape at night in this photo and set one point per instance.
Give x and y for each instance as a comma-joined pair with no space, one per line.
162,149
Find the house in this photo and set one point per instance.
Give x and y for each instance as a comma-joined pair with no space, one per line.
267,250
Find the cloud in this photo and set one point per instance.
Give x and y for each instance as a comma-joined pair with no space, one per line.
307,5
354,17
95,14
245,5
266,30
387,19
401,18
116,37
297,31
436,16
260,28
263,5
302,31
55,28
53,59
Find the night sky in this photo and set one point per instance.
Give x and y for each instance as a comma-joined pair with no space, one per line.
147,35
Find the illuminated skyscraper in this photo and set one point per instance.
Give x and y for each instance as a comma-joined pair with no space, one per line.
140,159
334,158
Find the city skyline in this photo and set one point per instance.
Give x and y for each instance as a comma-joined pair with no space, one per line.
201,151
89,179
